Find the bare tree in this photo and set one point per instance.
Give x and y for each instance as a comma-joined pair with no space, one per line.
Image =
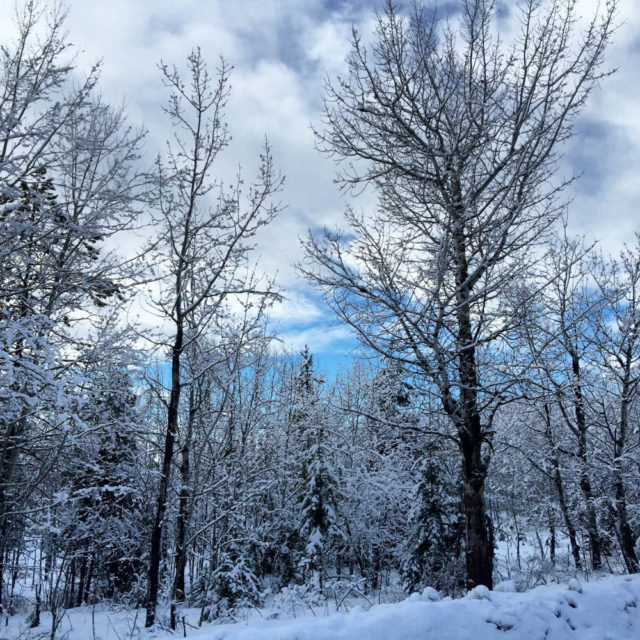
617,344
559,332
201,251
459,134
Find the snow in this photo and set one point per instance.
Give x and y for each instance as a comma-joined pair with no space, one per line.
479,593
430,593
506,586
604,609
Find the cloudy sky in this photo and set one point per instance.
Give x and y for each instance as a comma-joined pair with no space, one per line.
281,50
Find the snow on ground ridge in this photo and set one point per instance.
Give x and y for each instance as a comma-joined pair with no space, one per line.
605,609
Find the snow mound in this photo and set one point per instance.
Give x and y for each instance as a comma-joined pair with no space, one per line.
574,585
429,593
605,609
479,593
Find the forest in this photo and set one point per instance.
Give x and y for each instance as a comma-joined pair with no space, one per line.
486,428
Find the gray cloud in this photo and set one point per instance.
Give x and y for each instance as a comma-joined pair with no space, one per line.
281,51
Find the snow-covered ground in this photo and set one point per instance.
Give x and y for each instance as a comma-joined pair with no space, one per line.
604,609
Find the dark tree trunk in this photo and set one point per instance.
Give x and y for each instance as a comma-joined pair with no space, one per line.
81,582
184,499
562,500
87,587
593,531
13,441
625,533
35,622
479,546
2,564
71,583
564,509
581,428
161,504
478,543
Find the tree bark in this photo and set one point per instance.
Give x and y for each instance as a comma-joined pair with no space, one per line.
593,531
625,533
571,530
562,500
163,489
479,546
184,498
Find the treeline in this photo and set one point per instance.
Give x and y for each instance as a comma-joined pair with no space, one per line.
495,401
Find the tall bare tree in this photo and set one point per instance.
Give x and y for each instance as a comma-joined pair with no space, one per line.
201,251
459,133
617,343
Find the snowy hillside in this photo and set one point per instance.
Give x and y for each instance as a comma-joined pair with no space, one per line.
606,609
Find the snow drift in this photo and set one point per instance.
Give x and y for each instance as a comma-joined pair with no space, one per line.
605,609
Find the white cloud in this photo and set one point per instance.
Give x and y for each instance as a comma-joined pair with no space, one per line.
282,51
319,339
296,308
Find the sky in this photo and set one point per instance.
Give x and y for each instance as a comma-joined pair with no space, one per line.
281,51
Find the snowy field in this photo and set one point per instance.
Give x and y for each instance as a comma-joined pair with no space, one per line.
604,609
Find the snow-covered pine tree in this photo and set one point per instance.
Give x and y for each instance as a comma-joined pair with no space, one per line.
320,530
106,491
436,531
228,588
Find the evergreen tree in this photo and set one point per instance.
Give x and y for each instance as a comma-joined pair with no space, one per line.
319,488
231,586
436,532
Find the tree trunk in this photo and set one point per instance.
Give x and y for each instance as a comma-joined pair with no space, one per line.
13,441
184,499
571,530
70,586
87,588
183,509
593,531
479,545
625,534
562,500
82,582
161,504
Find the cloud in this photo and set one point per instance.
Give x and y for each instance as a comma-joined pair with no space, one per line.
281,51
606,147
320,339
296,309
